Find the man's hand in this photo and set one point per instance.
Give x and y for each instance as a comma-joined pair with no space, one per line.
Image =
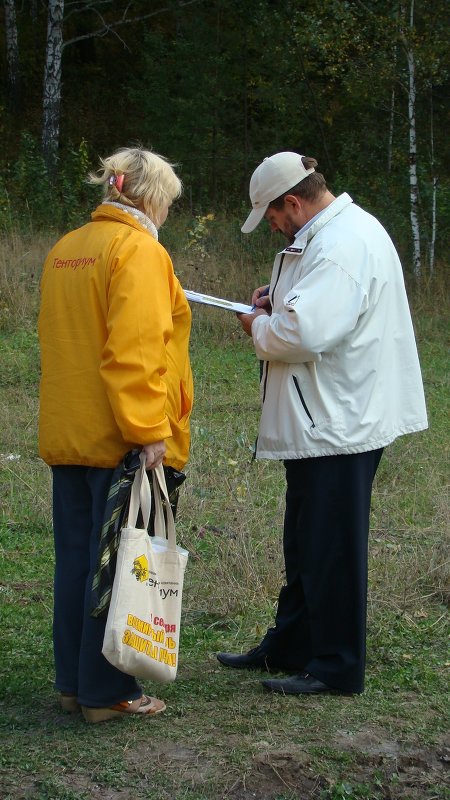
154,454
246,320
261,299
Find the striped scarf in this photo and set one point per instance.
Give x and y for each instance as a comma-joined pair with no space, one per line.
115,518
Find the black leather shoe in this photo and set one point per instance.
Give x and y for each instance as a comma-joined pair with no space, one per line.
254,659
300,684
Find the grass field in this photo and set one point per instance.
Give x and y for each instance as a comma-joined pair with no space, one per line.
222,736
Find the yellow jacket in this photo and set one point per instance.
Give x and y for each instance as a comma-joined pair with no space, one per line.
114,329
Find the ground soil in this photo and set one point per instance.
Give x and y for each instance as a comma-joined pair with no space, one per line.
393,770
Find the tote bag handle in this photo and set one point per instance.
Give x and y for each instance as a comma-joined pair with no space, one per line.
167,530
141,497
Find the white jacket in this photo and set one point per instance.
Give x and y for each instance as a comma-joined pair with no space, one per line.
341,371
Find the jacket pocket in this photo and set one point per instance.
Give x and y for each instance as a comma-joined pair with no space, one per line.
302,400
185,402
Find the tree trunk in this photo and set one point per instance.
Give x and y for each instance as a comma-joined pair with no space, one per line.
12,57
391,132
391,119
33,10
52,85
413,183
435,183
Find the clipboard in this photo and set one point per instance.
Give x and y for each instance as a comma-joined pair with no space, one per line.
218,302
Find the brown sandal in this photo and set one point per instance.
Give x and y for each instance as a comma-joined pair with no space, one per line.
143,705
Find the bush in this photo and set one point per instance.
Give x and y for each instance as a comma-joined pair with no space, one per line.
31,201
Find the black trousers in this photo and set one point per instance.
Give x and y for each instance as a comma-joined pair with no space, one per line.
320,625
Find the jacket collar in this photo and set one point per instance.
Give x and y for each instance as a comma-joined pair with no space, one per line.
120,213
306,233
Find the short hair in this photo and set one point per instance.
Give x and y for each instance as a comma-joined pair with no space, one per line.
149,180
310,188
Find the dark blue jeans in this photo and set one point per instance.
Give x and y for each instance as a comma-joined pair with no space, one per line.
79,499
320,625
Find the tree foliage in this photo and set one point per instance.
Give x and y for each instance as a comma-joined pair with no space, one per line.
216,85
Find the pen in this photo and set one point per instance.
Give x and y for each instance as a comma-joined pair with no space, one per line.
263,294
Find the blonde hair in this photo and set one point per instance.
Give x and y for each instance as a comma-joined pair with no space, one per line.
149,181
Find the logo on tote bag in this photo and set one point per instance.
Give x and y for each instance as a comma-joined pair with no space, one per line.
140,568
142,574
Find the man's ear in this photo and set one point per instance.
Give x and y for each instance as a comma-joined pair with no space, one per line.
293,202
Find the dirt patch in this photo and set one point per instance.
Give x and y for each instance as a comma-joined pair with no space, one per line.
395,771
78,785
276,771
368,758
183,761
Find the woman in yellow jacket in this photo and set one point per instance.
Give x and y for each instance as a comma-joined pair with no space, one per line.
114,331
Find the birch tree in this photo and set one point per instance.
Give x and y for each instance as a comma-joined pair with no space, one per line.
52,84
392,107
407,38
12,56
391,122
54,52
434,187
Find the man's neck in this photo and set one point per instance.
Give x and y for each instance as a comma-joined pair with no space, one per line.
318,205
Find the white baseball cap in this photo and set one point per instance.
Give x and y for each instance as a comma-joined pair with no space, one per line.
275,176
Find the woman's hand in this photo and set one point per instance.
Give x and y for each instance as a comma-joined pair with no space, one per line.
154,454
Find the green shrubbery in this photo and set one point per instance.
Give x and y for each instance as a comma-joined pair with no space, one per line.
31,201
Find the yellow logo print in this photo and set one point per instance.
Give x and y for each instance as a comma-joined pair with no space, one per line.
140,568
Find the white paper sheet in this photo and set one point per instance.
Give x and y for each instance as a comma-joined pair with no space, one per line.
218,302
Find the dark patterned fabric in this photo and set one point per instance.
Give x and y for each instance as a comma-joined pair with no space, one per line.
114,520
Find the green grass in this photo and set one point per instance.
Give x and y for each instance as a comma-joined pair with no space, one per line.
222,736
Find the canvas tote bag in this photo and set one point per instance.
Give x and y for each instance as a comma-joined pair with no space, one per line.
142,633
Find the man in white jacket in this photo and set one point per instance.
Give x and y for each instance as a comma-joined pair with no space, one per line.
340,380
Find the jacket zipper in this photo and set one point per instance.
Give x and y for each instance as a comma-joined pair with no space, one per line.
278,277
265,364
302,400
265,374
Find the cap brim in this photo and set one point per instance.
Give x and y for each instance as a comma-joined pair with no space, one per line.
253,219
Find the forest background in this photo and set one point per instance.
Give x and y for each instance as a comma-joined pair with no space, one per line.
216,85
